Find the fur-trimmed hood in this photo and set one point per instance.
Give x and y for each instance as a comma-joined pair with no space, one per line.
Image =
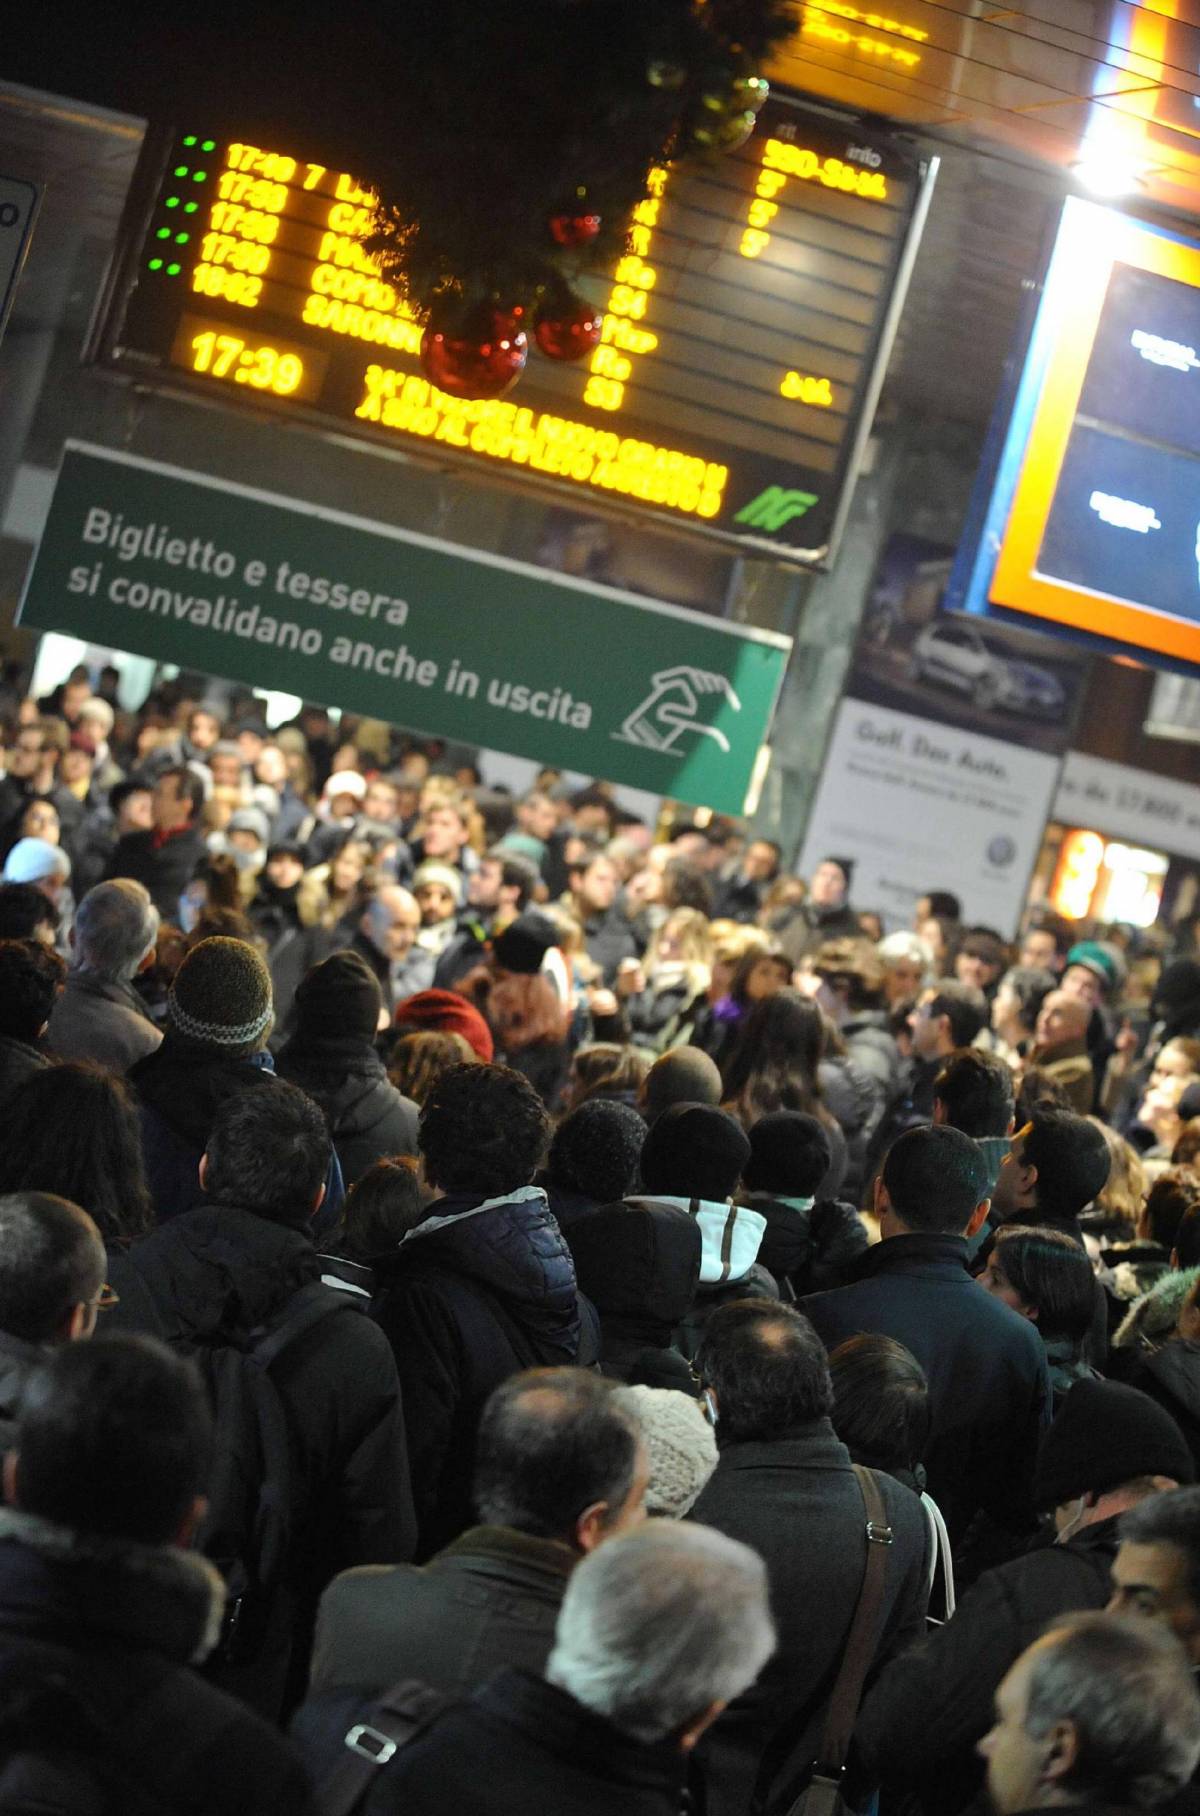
157,1598
1152,1320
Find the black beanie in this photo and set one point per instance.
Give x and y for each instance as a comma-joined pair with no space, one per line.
1106,1434
694,1151
523,945
790,1153
595,1150
340,997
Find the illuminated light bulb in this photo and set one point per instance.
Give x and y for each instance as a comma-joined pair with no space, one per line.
172,201
190,207
164,233
156,264
180,170
1108,175
209,145
173,270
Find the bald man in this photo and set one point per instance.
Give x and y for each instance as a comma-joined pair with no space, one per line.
1060,1049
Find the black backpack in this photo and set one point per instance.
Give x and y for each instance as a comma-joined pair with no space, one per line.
247,1530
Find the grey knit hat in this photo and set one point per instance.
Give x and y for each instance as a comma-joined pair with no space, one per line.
221,997
683,1450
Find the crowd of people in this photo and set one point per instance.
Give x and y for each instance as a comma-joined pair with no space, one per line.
507,1307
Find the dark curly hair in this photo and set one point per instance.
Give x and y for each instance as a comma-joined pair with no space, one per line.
483,1129
73,1130
31,975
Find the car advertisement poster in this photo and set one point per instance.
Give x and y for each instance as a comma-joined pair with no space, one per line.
946,750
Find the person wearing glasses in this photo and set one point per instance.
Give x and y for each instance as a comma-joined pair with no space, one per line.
52,1288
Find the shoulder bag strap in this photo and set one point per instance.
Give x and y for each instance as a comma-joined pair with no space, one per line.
860,1647
396,1718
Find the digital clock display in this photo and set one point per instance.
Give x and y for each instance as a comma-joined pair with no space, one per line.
744,329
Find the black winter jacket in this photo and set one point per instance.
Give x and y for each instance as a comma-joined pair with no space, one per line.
810,1245
1171,1375
217,1274
797,1503
96,1640
989,1391
481,1289
518,1747
919,1724
368,1117
165,869
488,1600
639,1264
19,1361
18,1061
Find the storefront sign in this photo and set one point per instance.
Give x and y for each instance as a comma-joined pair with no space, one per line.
258,588
921,806
1129,804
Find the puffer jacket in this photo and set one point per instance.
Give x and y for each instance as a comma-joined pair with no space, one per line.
639,1264
810,1244
368,1117
1172,1377
482,1288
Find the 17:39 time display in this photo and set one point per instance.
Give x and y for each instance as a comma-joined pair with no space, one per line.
272,368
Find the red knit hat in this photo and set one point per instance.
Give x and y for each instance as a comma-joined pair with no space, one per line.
447,1013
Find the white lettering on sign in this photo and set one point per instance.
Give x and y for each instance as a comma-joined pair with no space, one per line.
1123,513
1162,352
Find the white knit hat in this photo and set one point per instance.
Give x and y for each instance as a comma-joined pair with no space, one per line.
683,1450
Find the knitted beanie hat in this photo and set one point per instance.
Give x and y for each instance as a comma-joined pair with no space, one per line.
595,1150
447,1013
789,1154
694,1151
445,874
221,997
1106,1434
339,997
523,945
682,1447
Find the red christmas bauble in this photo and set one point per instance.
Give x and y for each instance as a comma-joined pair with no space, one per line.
465,366
574,228
569,330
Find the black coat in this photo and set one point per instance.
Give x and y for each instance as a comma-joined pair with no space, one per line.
488,1600
639,1264
813,1248
919,1723
471,1297
19,1361
989,1391
368,1117
217,1274
518,1747
18,1061
113,1628
165,870
1171,1375
796,1502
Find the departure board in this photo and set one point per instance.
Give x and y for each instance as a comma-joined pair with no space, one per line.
1094,521
745,328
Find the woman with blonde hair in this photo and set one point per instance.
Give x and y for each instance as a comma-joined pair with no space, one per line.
335,891
666,989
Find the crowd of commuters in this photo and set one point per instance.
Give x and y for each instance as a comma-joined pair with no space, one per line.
504,1307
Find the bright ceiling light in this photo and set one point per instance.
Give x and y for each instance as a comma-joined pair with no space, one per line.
1107,176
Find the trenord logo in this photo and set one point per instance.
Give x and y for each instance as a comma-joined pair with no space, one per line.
775,508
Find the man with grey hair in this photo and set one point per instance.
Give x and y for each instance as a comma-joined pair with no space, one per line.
658,1630
1101,1711
99,1015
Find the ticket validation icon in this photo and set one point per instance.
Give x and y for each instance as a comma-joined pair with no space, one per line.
671,709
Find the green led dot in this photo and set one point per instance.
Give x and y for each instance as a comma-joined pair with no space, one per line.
190,207
172,201
156,264
181,239
164,233
180,170
209,145
174,270
191,139
198,176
